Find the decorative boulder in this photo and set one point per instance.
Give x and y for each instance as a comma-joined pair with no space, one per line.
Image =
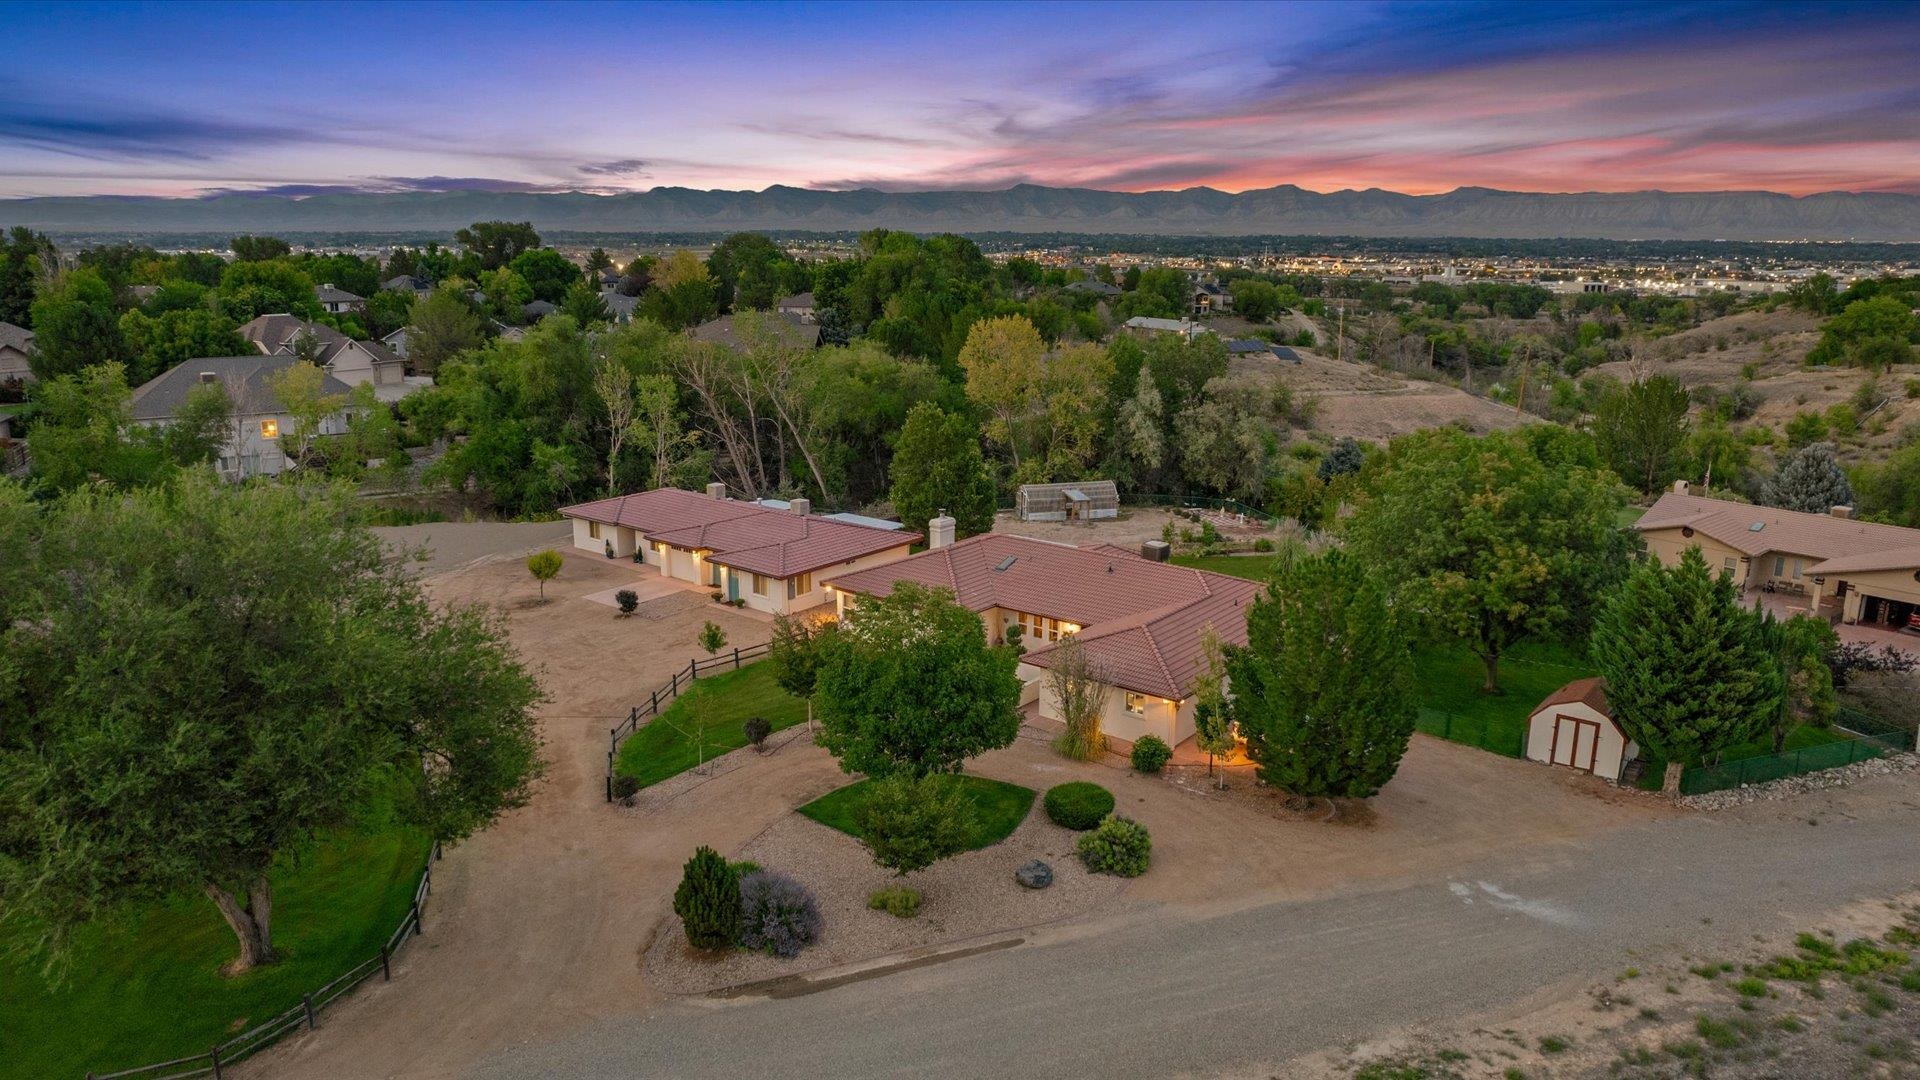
1034,875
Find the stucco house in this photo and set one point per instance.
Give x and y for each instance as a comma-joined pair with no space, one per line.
260,423
772,556
352,362
1573,727
337,301
1849,570
1139,622
799,306
16,349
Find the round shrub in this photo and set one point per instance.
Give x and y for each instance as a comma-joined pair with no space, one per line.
896,900
777,914
1078,805
1119,846
757,728
1150,753
1263,544
625,788
628,601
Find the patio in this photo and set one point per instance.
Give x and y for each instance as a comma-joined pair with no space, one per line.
1787,605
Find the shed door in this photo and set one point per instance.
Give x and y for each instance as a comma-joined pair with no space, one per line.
1576,742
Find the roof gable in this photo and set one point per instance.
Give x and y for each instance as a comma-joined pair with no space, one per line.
1821,536
742,535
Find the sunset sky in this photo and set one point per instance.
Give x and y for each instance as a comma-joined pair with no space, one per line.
191,99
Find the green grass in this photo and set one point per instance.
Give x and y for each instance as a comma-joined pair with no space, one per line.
148,988
1447,678
1252,567
1627,515
999,807
1798,739
706,721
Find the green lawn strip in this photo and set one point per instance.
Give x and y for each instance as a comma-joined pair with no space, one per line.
1252,567
1627,515
999,807
705,721
148,987
1447,678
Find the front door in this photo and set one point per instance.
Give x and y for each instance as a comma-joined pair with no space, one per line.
733,585
1576,742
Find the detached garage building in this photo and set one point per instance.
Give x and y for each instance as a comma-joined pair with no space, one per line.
1574,728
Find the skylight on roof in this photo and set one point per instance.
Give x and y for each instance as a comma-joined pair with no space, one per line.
1006,562
1756,526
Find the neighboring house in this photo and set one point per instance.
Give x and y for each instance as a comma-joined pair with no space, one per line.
1097,288
799,306
619,306
260,421
1140,623
610,279
338,301
1146,326
1856,571
787,329
352,362
1574,728
1209,297
406,283
535,310
771,556
16,350
508,333
396,342
1083,500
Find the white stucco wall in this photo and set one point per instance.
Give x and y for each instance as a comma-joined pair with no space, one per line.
1613,751
1161,717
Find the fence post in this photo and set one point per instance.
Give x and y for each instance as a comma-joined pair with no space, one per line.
736,658
386,969
307,1000
214,1054
418,927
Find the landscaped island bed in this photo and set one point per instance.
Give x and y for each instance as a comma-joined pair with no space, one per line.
999,807
706,721
150,988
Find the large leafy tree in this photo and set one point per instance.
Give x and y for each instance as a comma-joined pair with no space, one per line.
1810,481
937,466
85,434
200,680
1690,670
158,343
497,243
1487,541
75,326
547,272
1004,360
444,326
910,685
1323,689
24,255
1642,429
258,248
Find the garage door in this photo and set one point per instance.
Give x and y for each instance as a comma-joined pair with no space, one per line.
1576,742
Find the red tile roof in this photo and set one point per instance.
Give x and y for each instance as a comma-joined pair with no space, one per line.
742,535
1142,620
1821,536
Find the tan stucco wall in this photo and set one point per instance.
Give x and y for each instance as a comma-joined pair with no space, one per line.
1162,717
1887,584
1614,751
1668,545
623,539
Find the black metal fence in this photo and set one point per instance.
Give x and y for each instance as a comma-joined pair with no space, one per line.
664,696
304,1015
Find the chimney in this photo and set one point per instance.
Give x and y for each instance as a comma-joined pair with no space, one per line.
803,507
1681,487
328,285
940,531
208,376
1841,511
717,490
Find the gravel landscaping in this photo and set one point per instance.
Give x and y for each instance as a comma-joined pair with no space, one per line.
965,897
1791,786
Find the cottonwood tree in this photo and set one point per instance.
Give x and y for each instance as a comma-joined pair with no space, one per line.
1810,481
910,684
1641,429
444,326
1689,668
199,682
1323,689
1004,362
1080,695
937,466
1488,542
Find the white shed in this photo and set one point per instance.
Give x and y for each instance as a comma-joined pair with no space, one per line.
1574,727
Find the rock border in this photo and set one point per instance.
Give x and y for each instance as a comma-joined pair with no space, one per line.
1804,784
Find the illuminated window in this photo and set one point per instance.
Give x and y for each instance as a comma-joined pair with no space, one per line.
593,530
799,585
1136,704
269,429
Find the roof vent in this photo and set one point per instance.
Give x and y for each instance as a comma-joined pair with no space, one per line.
208,376
1004,563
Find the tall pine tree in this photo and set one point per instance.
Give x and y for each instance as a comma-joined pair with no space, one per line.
1689,669
1323,689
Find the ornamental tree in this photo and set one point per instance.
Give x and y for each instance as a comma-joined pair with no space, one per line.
708,900
1323,689
1811,481
1690,670
202,679
910,822
544,566
1487,540
910,684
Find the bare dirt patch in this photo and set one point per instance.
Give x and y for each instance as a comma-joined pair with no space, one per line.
965,897
1370,403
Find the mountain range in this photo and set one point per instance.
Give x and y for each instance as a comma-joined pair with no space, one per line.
1026,208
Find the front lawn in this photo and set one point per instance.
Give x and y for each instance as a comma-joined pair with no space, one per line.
149,988
999,808
1252,567
1447,680
705,721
